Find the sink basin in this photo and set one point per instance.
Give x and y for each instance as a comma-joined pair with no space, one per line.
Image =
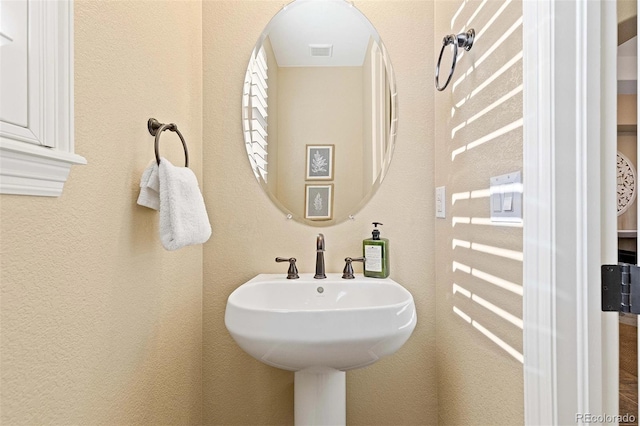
333,322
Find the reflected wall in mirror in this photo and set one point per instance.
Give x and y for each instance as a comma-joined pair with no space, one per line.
319,103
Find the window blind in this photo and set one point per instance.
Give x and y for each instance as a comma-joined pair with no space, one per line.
258,111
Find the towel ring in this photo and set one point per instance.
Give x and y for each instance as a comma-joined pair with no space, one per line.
464,40
156,128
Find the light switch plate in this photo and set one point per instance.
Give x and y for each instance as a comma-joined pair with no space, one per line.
506,197
441,201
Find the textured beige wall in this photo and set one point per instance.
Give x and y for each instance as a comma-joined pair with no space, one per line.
101,325
478,133
249,231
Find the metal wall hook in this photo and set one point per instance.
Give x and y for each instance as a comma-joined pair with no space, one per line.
463,40
156,128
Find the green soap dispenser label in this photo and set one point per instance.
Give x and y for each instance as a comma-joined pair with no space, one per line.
373,254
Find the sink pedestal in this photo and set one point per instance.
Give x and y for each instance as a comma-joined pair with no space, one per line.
320,397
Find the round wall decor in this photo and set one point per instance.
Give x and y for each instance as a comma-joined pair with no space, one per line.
626,183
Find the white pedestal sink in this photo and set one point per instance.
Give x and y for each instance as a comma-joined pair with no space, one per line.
320,329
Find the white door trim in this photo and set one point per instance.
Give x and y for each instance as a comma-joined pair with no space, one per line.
538,233
567,363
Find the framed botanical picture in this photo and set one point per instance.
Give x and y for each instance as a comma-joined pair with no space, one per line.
319,164
318,201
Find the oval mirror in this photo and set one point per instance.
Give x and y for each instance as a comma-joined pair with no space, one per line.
319,111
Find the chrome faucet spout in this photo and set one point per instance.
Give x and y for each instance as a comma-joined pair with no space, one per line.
320,271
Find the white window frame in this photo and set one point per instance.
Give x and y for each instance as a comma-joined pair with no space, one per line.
36,159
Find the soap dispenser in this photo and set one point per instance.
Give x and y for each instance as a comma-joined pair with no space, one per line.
376,253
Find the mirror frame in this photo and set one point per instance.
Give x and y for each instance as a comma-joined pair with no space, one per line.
391,137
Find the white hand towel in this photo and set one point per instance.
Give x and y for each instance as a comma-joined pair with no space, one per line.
183,215
149,187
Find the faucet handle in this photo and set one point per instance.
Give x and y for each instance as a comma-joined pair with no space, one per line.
292,273
347,273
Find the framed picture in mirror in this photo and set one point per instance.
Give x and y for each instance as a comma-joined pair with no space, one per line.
318,201
319,162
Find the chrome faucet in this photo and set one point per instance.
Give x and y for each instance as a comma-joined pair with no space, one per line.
320,258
